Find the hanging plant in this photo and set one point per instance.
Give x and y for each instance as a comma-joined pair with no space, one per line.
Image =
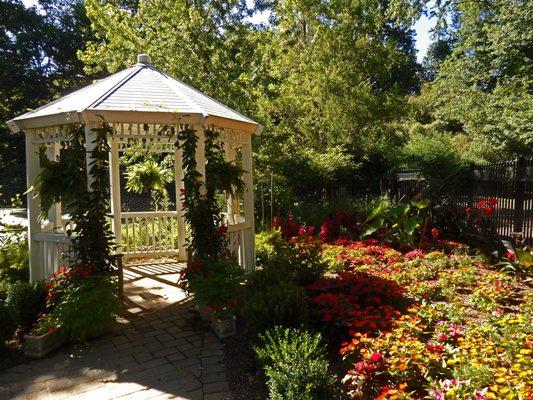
60,181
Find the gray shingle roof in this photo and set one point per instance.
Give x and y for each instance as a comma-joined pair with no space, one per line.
140,88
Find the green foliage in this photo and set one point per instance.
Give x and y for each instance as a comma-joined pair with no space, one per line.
217,283
201,210
282,304
438,161
86,306
93,239
298,260
482,91
270,248
9,322
14,258
27,299
295,364
20,303
63,180
400,223
148,176
38,47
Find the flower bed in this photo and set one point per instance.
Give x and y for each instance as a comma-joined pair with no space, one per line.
425,324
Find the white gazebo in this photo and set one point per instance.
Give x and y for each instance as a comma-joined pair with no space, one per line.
137,102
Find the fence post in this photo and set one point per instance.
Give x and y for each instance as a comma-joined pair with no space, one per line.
470,181
520,184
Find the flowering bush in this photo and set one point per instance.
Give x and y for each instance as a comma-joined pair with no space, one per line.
471,347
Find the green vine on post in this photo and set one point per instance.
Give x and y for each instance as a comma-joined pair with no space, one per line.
93,239
207,240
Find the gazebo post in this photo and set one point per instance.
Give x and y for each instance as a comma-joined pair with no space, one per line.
34,208
200,155
114,183
54,213
230,204
90,145
248,201
178,183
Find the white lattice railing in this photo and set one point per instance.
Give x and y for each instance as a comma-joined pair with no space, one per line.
54,249
240,235
149,233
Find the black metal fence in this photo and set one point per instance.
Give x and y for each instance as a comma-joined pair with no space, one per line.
509,182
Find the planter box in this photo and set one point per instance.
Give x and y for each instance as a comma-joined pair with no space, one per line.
204,314
224,328
39,346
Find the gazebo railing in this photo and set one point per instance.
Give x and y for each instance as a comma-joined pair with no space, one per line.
149,233
239,244
55,250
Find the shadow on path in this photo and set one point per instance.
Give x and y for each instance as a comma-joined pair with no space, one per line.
159,350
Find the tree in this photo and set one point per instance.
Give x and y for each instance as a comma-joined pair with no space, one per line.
483,90
205,43
38,47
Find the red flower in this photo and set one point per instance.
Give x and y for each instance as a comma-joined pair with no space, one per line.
488,210
376,357
223,230
435,233
468,210
510,255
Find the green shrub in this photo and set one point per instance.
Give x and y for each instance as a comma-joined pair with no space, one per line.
299,259
27,300
14,259
295,365
305,259
87,306
284,304
8,324
270,248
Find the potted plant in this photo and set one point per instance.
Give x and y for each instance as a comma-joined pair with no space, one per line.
223,322
43,338
212,283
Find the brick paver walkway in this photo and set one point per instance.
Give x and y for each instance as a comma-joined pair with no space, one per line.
155,352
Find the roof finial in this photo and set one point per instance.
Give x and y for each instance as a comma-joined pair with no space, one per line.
144,59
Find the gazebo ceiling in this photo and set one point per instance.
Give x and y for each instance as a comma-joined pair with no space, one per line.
139,94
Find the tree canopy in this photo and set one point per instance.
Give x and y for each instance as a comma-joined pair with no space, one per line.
335,83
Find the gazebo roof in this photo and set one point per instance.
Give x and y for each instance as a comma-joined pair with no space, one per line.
139,94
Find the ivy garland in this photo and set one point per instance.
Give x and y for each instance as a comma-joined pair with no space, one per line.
65,181
207,239
93,239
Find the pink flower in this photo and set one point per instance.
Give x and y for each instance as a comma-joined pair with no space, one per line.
376,357
416,253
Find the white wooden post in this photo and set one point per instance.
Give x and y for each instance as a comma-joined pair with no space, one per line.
248,201
178,181
114,181
54,213
90,144
200,155
34,209
232,203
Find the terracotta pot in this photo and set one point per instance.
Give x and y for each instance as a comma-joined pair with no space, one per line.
224,328
39,346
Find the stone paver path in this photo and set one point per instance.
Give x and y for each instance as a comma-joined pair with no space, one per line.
159,350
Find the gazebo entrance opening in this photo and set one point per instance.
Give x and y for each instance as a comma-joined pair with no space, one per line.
144,109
